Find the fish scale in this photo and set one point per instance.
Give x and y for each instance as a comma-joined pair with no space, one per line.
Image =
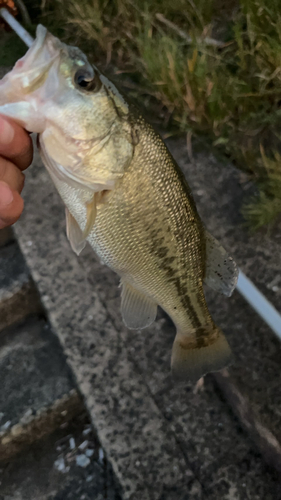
131,229
125,195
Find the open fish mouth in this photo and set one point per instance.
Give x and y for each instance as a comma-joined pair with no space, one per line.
23,91
32,69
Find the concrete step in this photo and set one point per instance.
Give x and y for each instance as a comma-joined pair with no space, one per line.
164,441
18,294
67,465
37,391
48,449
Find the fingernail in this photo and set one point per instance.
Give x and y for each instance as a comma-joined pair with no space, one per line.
6,195
6,131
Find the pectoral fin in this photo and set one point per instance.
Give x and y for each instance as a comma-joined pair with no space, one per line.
91,214
221,270
138,310
75,235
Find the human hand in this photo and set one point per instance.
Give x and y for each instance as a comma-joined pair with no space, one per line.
15,155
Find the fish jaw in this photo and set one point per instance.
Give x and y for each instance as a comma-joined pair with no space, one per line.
21,89
24,113
31,71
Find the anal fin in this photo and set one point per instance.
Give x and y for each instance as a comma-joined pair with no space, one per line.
138,310
221,270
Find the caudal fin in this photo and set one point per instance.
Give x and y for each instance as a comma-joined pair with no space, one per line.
190,362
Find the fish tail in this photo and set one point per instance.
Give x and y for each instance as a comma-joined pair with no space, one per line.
197,353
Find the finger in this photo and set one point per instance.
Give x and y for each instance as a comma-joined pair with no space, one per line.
11,205
10,174
15,143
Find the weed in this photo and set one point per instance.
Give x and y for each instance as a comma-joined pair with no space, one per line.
229,92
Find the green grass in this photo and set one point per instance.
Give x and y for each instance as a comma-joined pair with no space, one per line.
231,95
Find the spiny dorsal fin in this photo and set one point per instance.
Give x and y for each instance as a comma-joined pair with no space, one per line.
138,310
221,270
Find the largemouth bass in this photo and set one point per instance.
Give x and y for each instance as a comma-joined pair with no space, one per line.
125,195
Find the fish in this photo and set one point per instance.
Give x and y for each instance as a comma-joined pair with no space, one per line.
125,195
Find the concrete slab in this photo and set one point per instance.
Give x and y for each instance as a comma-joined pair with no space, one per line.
144,453
37,391
219,191
163,441
208,435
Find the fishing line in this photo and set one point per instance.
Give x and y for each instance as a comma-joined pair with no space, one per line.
16,26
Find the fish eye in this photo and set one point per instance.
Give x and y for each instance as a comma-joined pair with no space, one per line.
87,82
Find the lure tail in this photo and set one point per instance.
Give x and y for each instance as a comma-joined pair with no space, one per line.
195,355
